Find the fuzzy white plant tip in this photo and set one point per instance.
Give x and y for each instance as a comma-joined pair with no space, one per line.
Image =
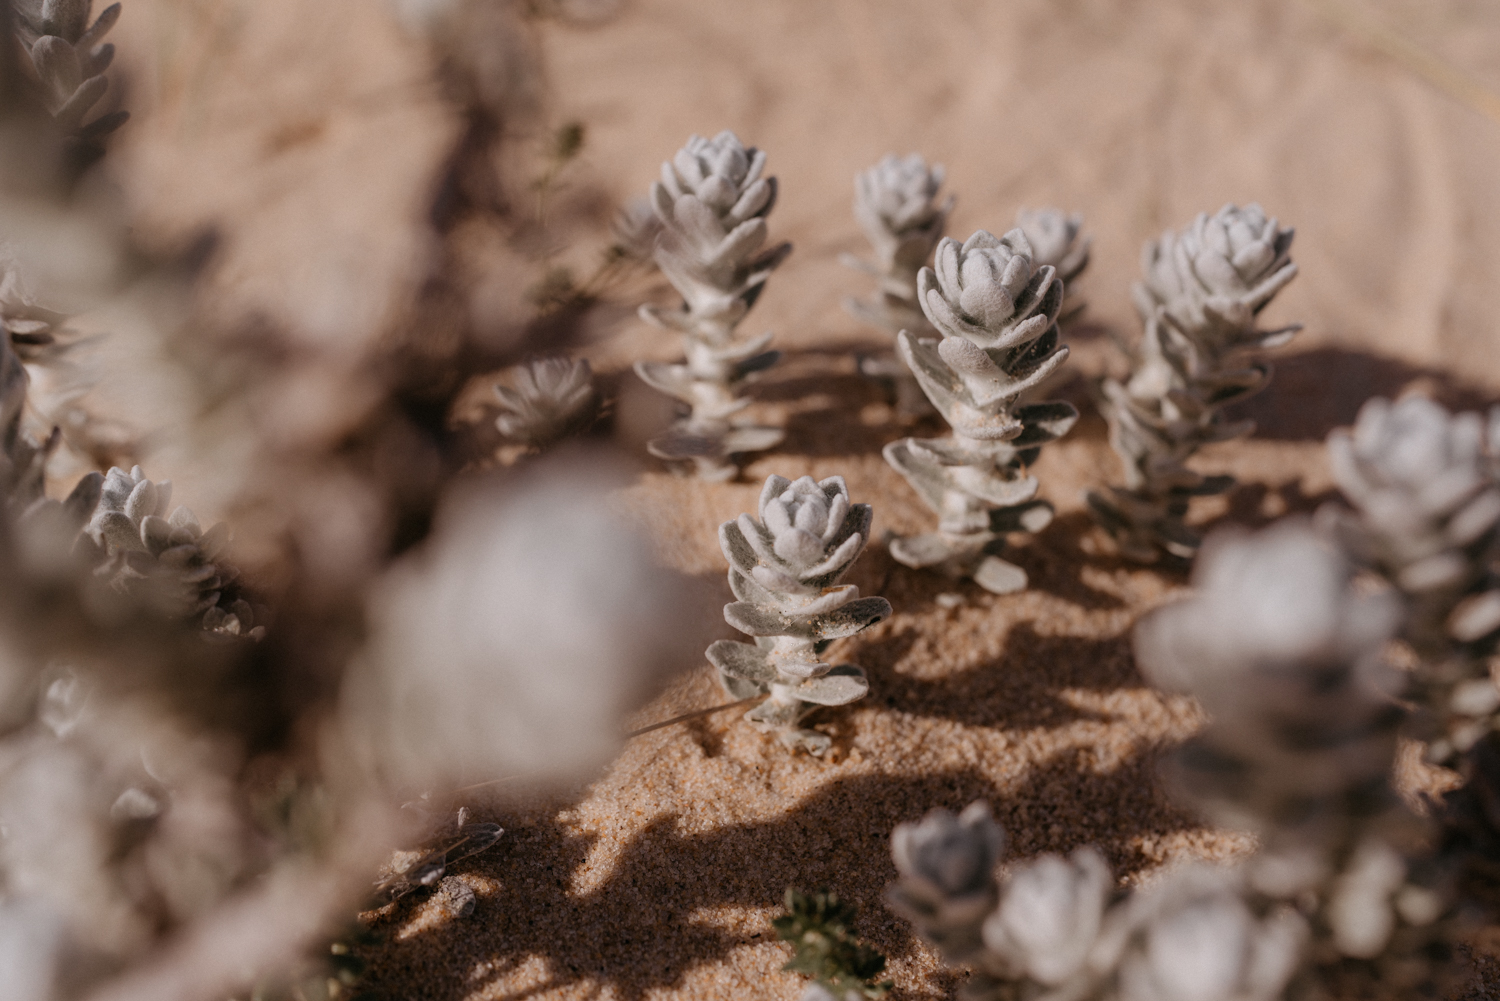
996,312
1201,294
785,570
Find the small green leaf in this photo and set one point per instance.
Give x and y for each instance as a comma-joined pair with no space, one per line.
818,927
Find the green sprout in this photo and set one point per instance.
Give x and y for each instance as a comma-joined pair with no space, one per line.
818,926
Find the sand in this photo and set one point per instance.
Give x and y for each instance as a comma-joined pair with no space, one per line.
660,879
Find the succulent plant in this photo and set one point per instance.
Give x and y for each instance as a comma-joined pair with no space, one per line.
996,312
896,204
68,59
711,204
169,559
1202,292
947,886
549,399
1050,915
1057,928
1057,239
1425,493
784,570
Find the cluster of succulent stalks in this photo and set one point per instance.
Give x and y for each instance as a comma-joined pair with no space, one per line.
1286,655
1202,291
896,203
711,207
784,570
995,310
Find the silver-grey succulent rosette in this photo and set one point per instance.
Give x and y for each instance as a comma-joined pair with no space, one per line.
711,206
712,202
1218,273
996,312
1057,240
784,569
164,555
1202,291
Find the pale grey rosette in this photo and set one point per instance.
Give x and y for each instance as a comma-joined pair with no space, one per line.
548,400
996,312
1057,240
167,558
1426,514
896,204
784,569
1423,486
1220,271
712,202
947,886
711,206
1202,291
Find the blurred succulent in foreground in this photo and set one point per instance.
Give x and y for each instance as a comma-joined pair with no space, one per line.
512,643
1057,928
1198,936
1278,644
1426,515
818,926
1202,291
1057,240
1284,649
549,399
1050,915
996,311
785,571
712,204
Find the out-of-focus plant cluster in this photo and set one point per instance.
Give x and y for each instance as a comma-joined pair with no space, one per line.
202,769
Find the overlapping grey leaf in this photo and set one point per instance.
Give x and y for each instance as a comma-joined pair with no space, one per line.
164,555
711,206
548,400
996,312
785,571
1202,291
69,57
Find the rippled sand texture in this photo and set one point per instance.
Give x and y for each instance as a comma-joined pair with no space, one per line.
660,880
